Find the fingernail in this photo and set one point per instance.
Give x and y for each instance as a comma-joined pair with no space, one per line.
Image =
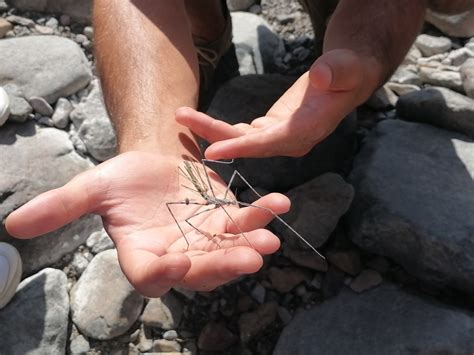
321,76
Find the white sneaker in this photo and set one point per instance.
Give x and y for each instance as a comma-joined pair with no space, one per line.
10,272
4,106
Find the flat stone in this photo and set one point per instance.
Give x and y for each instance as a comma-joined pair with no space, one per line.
93,125
103,303
216,337
414,201
36,320
252,96
99,241
440,107
166,346
35,160
253,35
346,260
431,45
20,109
45,66
458,25
459,56
79,10
164,312
285,279
252,323
386,320
20,20
316,209
366,280
445,78
467,76
402,89
41,106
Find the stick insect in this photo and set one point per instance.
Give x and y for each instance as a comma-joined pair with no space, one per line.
204,188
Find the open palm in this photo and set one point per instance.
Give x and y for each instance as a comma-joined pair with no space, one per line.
130,193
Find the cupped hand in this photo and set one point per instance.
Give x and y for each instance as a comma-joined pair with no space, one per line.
306,114
130,192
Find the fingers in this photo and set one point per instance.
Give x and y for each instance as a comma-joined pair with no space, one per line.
56,208
218,267
258,214
337,70
150,274
261,240
210,129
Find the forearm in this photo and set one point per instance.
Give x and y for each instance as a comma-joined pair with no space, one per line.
148,69
379,32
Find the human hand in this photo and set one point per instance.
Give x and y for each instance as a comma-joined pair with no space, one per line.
306,114
130,193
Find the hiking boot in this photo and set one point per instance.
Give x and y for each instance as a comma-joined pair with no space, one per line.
210,53
10,272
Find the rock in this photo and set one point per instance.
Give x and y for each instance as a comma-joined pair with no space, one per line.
79,345
4,106
103,303
333,282
307,259
89,32
170,335
20,109
252,323
216,337
467,76
99,241
252,96
93,125
412,56
459,25
166,346
402,89
387,320
5,26
379,264
65,20
383,99
448,79
316,209
52,22
285,279
406,75
20,20
145,341
41,106
253,35
45,66
79,263
239,5
431,45
459,56
440,107
44,30
79,10
35,160
61,113
164,312
366,280
346,260
414,201
36,320
258,293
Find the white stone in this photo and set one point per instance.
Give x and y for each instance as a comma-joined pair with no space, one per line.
4,106
431,45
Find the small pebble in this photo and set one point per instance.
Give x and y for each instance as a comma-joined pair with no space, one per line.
41,106
170,335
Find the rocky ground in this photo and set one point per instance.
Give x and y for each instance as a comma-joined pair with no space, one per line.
393,215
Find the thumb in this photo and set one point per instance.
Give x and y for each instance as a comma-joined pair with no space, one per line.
56,208
337,70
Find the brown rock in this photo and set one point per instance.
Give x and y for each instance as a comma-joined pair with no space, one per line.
284,280
251,324
164,312
216,337
366,280
346,260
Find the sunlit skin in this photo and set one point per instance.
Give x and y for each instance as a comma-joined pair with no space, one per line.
149,72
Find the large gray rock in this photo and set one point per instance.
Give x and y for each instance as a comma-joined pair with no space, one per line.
35,160
316,209
103,303
252,96
93,125
459,25
254,38
385,320
414,201
36,321
431,45
79,10
440,107
46,66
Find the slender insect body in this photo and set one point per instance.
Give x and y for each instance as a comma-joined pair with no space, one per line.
192,173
